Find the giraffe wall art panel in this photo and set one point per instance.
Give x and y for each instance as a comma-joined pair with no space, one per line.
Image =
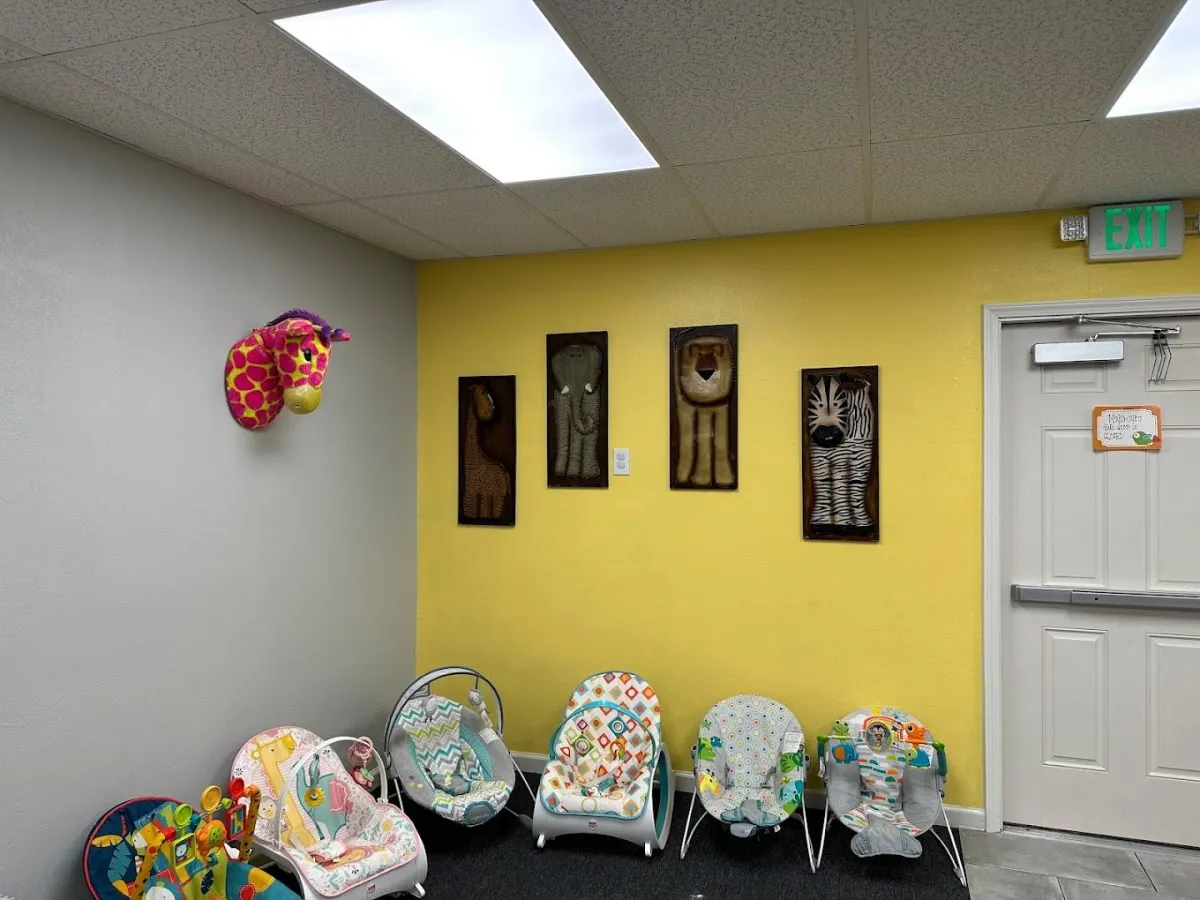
577,409
703,402
487,450
839,457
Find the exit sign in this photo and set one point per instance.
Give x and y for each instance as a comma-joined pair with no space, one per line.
1135,231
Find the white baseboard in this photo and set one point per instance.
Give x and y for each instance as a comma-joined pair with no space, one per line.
968,817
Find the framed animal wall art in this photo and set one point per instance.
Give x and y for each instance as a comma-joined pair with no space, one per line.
703,402
577,409
839,455
487,450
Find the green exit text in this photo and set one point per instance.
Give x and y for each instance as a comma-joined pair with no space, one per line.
1136,227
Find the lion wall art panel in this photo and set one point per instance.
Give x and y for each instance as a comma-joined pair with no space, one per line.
704,407
577,409
487,450
839,455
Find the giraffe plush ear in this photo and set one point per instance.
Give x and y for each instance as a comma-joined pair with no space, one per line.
339,334
299,328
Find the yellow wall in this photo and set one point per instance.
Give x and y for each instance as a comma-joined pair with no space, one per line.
708,593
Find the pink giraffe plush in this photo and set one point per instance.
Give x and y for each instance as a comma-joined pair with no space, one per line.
281,364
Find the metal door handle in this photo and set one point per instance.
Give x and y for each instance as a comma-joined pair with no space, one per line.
1111,599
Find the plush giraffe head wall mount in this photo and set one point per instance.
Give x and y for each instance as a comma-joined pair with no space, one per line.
281,364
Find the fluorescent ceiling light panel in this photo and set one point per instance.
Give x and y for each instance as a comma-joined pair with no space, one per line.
491,78
1169,79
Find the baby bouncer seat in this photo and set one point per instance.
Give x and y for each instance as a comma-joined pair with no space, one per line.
884,779
318,822
750,764
604,760
447,757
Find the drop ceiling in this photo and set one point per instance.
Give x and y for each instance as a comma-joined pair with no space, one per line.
766,115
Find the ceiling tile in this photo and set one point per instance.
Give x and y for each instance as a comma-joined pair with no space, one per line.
966,174
10,52
486,221
1142,158
375,229
789,192
955,66
723,79
49,27
257,89
50,87
647,207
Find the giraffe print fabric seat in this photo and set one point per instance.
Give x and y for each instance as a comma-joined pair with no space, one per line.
338,839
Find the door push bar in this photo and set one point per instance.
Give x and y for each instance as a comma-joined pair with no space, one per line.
1061,596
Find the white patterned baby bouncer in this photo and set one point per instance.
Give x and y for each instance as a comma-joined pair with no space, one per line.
605,760
884,779
750,764
447,757
338,839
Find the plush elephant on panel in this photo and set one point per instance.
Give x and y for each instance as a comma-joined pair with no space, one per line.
576,370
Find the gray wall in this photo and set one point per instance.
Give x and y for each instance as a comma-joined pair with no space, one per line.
169,583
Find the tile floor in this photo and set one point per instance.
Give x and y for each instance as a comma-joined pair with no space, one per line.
1023,864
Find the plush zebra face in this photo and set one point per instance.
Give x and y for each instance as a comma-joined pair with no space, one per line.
838,407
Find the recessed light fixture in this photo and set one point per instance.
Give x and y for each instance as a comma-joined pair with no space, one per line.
491,78
1169,79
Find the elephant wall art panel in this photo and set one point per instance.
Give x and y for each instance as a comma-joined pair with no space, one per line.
704,407
487,450
839,455
577,409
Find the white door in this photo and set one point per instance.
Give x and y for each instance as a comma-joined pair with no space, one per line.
1101,705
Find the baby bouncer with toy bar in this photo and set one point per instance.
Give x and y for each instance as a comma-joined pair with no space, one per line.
320,822
448,757
157,848
884,780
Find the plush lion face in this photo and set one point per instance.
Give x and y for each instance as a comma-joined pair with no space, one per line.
706,369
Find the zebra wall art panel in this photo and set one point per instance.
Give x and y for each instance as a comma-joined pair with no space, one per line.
577,410
487,450
840,453
704,407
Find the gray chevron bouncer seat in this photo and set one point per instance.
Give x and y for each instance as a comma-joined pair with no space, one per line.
750,764
884,779
447,756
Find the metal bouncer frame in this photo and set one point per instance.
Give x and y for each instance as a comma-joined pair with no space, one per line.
421,687
956,862
689,831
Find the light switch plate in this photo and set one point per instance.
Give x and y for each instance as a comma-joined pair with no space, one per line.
621,461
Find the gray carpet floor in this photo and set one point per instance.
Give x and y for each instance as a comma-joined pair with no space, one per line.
500,860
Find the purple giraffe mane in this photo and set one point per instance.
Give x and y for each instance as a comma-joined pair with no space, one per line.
327,330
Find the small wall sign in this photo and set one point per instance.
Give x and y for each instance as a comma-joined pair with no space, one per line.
1135,231
1127,428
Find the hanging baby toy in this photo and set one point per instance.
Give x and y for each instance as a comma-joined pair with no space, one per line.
281,364
360,755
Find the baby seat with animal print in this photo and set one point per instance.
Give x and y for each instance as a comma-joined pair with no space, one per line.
750,764
447,757
609,771
884,779
315,820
